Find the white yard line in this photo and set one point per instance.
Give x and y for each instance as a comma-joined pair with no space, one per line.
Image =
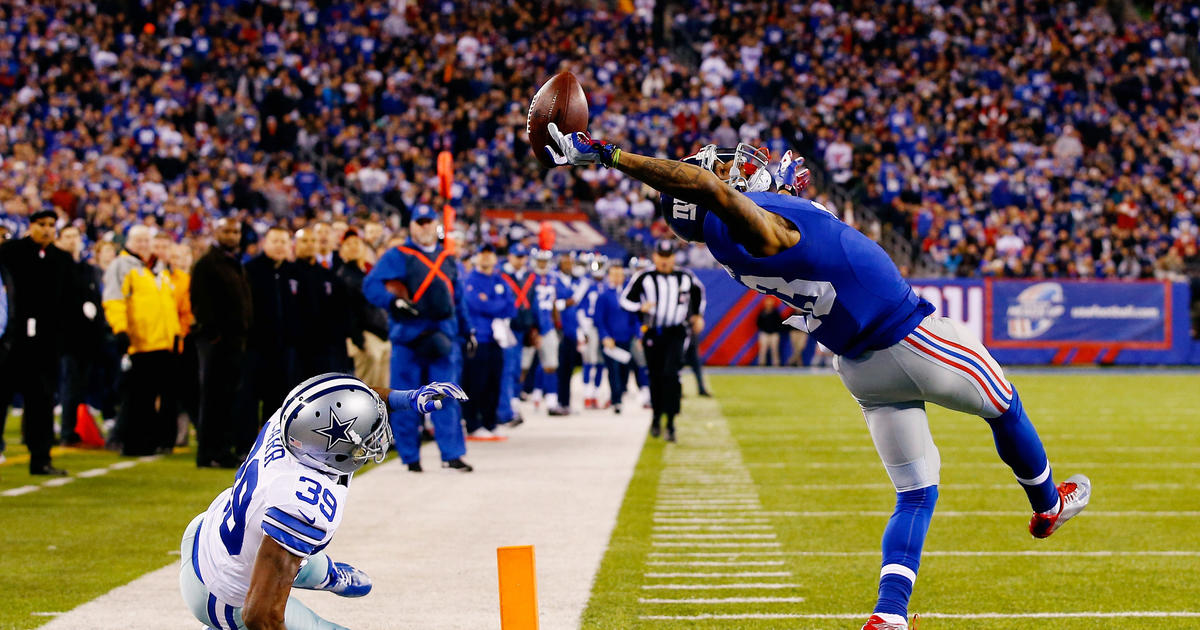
1166,553
720,600
723,574
970,616
748,586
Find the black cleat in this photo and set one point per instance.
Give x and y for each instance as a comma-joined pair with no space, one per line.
415,467
670,435
48,470
457,465
559,411
655,430
617,409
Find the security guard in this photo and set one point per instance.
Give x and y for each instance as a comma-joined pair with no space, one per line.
418,283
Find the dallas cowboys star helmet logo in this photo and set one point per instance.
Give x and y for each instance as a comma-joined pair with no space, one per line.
336,431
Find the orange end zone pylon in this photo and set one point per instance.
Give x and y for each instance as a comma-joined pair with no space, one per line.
518,588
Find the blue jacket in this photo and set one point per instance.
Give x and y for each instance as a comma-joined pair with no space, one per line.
613,321
488,297
441,307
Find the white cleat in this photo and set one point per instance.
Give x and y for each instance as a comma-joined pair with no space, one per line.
1073,496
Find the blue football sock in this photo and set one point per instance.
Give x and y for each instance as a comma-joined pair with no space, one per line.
548,382
597,374
903,539
587,373
1019,446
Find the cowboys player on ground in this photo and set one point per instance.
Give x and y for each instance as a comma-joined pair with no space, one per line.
891,352
265,535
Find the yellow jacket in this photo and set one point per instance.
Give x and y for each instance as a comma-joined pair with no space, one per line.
140,303
182,281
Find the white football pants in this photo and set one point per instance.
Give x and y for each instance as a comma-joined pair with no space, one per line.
940,362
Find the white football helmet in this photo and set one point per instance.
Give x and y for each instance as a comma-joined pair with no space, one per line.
749,169
335,423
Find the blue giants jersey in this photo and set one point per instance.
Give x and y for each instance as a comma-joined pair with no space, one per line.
849,294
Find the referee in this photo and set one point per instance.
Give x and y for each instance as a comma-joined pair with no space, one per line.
670,300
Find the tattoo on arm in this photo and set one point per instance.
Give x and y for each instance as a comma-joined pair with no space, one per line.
685,181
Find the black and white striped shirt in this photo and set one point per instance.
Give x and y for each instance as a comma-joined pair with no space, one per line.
676,296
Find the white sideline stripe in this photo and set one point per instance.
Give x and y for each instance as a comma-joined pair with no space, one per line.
968,486
669,536
47,614
708,587
657,543
723,574
1167,553
710,563
1039,615
58,482
721,600
95,472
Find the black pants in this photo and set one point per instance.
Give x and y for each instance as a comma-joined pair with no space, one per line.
76,373
32,371
149,409
270,373
481,380
568,359
664,357
188,387
692,359
618,374
220,378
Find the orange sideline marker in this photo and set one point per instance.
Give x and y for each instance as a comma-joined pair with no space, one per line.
518,588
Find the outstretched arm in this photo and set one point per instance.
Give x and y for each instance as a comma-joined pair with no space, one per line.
760,232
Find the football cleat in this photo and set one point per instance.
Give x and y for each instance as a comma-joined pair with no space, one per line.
1073,496
892,622
349,582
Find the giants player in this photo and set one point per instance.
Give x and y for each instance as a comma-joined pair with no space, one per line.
891,352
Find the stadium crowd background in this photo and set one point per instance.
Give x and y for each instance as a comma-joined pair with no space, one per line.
1009,139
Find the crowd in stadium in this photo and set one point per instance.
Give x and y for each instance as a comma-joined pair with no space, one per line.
1026,139
1002,139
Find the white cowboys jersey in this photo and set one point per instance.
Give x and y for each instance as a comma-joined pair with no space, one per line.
273,494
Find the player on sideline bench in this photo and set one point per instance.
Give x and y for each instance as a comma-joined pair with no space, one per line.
264,536
891,352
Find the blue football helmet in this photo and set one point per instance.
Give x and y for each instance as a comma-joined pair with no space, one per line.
746,172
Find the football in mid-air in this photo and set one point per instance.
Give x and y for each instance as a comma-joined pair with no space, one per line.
560,101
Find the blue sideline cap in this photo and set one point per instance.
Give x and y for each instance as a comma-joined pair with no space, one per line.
518,250
424,211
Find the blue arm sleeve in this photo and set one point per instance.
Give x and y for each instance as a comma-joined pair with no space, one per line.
401,399
390,267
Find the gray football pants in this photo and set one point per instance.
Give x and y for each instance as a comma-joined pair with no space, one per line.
941,362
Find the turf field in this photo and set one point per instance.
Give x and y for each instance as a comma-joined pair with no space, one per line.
768,514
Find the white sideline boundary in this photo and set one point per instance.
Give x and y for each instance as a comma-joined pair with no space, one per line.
429,541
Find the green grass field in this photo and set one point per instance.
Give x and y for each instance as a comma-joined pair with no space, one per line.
809,498
774,481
